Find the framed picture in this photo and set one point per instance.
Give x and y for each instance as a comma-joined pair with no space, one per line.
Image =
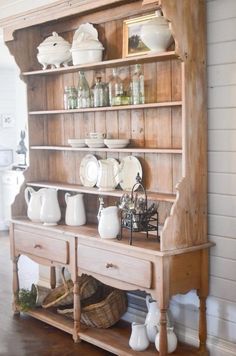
132,43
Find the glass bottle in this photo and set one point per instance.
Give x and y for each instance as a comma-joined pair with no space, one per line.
137,86
115,88
84,99
98,93
70,98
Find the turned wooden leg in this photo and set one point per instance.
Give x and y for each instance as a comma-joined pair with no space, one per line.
76,312
53,281
163,333
15,303
202,327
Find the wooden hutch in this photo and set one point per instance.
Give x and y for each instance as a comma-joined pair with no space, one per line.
168,136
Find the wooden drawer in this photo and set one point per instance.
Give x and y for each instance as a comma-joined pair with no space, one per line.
117,266
42,246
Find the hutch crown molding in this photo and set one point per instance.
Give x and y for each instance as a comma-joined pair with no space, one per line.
168,136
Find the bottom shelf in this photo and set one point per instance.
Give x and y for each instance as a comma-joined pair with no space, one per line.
114,339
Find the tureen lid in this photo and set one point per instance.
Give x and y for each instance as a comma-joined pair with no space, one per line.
54,40
86,37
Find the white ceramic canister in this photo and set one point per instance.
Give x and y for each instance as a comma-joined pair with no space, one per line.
34,202
171,340
109,223
138,340
50,212
156,33
75,210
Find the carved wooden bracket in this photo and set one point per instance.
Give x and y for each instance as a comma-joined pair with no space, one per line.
148,2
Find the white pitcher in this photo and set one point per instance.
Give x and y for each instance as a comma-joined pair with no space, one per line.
75,210
152,318
34,202
107,174
138,340
109,223
50,212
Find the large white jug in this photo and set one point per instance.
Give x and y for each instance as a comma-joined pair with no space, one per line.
34,202
75,210
50,212
109,223
152,318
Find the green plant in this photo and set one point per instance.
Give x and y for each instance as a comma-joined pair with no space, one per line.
27,298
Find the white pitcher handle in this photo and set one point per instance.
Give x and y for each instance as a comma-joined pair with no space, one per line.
67,195
147,301
28,192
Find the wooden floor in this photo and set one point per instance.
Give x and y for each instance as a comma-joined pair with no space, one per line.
25,336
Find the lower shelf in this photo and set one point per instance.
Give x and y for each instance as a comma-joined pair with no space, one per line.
114,339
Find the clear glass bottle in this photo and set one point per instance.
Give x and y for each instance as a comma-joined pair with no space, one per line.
115,88
84,98
70,98
98,93
137,86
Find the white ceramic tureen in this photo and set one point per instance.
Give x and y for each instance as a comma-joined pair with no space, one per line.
86,48
54,50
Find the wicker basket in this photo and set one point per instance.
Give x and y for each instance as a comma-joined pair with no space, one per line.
63,294
103,309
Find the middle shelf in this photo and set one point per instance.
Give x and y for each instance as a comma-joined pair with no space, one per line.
95,191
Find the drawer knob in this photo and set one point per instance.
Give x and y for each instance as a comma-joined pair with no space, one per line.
37,246
109,265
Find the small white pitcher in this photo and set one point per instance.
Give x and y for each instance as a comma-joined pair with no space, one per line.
75,210
138,340
34,202
171,340
152,318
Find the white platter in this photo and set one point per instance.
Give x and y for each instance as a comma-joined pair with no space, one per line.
76,142
129,168
116,143
95,142
89,170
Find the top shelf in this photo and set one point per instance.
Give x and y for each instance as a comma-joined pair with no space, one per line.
106,64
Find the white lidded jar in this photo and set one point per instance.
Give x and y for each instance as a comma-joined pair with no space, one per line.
109,223
156,33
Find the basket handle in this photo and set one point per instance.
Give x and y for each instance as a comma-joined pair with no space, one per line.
64,279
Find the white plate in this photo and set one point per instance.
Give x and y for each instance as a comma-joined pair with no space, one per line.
89,170
95,142
116,143
129,168
116,169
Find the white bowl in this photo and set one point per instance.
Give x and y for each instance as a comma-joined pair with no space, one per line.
95,142
76,142
116,143
83,56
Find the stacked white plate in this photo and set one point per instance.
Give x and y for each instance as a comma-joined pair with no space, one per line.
76,142
95,142
116,143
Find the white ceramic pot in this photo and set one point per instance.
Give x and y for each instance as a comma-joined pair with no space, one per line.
171,340
34,202
75,210
54,50
50,212
156,34
138,340
109,223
